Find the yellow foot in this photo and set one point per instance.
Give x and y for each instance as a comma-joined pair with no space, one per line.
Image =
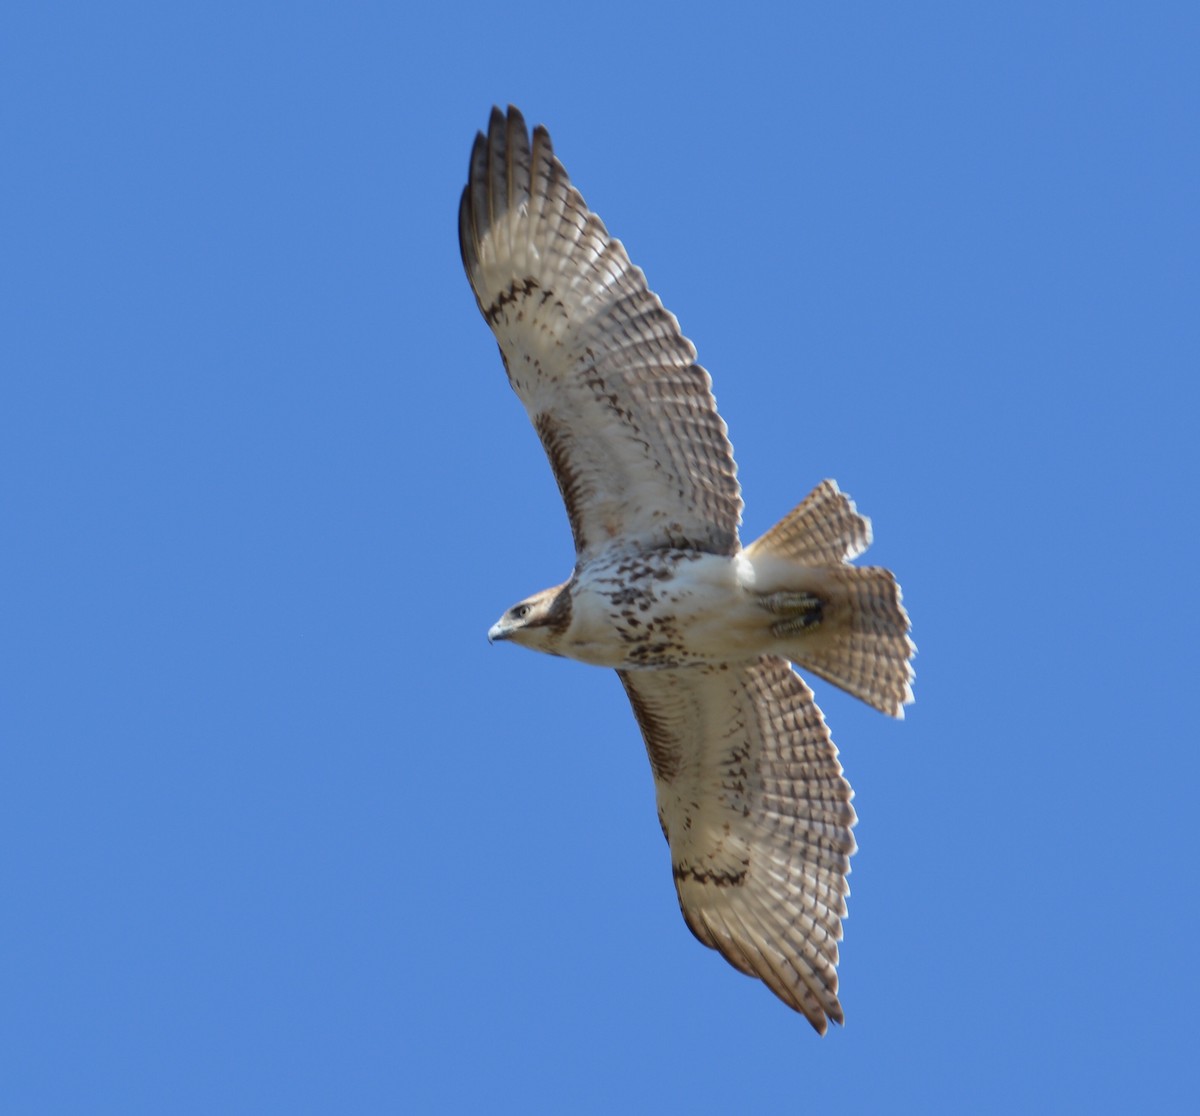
800,611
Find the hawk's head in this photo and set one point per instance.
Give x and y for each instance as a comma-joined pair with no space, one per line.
537,622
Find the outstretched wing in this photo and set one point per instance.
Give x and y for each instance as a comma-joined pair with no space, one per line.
624,412
758,816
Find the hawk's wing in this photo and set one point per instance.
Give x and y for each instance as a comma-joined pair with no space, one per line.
625,413
753,803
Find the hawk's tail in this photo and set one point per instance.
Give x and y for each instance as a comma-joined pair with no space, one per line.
844,623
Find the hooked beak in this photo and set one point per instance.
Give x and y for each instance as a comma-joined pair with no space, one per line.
497,632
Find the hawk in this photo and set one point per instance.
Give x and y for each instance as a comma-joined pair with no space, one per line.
701,631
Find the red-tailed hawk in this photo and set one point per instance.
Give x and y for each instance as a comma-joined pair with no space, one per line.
700,630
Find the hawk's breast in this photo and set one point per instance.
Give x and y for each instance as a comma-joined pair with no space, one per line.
655,609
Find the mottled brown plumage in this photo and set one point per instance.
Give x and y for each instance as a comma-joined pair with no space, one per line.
624,411
750,792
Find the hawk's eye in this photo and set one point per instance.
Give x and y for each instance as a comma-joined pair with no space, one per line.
522,611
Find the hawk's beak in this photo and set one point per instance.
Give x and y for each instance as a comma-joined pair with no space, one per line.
497,631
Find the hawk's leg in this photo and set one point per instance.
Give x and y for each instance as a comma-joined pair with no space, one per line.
799,611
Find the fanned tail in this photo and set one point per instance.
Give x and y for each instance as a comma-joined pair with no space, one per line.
861,642
844,623
824,529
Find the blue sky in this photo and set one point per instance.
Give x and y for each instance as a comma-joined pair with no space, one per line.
280,832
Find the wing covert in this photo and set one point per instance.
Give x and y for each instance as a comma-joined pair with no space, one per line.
624,412
753,803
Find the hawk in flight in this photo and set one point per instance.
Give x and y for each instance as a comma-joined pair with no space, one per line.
701,630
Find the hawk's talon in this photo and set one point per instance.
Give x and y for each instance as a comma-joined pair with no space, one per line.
801,611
